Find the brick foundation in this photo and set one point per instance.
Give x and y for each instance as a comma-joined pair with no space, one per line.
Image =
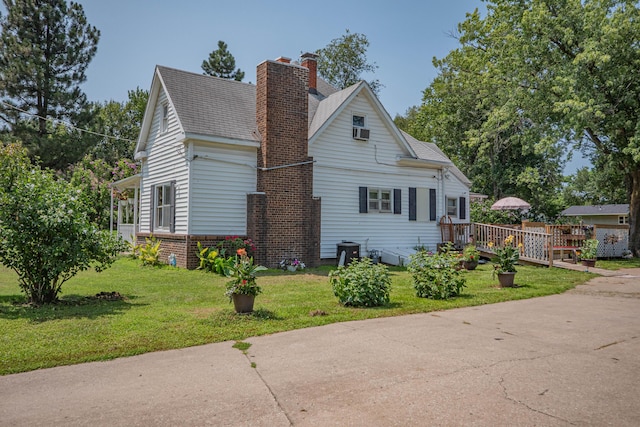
184,247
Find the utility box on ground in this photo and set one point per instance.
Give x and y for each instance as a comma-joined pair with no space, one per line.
351,251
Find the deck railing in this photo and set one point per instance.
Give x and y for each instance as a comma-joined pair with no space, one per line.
535,248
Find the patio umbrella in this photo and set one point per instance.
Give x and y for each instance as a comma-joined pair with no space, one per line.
510,203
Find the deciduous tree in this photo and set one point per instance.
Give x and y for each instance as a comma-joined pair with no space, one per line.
343,61
570,68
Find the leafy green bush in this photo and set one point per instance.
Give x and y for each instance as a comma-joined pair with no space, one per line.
228,247
436,276
213,261
361,283
46,235
149,253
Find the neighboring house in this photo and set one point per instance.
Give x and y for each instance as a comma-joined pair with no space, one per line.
600,214
291,162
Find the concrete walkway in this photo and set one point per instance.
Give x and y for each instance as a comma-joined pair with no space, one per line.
562,360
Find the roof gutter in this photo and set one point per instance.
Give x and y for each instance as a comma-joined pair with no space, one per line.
412,161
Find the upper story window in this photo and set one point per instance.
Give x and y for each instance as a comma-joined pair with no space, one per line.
359,131
379,200
623,219
452,206
165,118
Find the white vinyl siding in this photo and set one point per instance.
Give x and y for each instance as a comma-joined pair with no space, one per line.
166,162
343,166
222,176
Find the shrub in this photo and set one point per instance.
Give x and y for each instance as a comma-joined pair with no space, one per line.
436,276
229,246
149,253
212,261
361,284
46,235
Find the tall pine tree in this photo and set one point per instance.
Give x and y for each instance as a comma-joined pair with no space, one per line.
221,63
45,49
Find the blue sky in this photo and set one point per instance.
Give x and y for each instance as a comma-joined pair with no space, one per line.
137,35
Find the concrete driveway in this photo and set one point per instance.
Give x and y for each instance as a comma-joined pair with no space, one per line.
562,360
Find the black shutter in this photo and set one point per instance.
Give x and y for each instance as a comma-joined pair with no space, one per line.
152,212
412,204
363,200
463,208
432,204
172,209
397,201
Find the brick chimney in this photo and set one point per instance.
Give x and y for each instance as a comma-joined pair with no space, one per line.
309,61
283,217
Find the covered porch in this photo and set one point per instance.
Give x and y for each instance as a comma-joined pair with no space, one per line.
127,192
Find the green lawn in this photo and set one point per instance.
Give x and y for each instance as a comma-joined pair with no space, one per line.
166,308
617,263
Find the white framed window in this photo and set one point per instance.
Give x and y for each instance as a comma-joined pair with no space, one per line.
358,120
163,205
452,207
380,200
165,118
623,219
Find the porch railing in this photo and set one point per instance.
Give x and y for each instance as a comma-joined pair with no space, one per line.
535,247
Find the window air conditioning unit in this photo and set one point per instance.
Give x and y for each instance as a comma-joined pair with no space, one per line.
361,133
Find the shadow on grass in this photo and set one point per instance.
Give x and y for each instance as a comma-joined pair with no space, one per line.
229,316
68,307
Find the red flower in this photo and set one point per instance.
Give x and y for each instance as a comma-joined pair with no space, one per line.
241,252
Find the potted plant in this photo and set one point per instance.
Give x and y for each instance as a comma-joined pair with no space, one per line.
292,264
505,261
242,289
470,256
588,252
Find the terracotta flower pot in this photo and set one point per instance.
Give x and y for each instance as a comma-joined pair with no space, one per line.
589,262
506,279
243,303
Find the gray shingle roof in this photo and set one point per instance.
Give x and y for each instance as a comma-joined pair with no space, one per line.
216,107
212,106
621,209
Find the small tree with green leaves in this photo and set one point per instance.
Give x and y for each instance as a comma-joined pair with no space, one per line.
344,60
45,234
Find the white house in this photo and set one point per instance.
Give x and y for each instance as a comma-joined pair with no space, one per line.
291,162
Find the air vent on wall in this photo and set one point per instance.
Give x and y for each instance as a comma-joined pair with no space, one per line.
361,133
